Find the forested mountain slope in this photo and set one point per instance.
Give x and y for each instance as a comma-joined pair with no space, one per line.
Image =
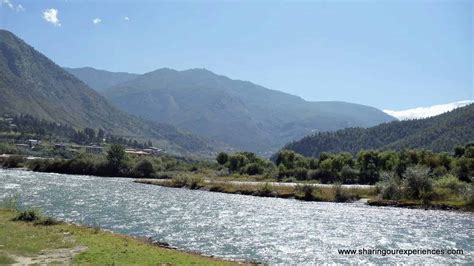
240,113
438,133
30,83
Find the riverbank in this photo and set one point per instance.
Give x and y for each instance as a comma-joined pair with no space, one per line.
308,192
27,243
303,191
438,205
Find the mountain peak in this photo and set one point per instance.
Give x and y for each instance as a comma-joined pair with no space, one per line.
427,111
240,113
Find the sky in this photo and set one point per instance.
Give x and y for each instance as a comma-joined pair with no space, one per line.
387,54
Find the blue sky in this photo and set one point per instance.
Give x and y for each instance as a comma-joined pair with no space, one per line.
387,54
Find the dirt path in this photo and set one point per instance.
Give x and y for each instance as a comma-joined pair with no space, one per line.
61,256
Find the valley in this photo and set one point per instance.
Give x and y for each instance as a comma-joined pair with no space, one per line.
236,132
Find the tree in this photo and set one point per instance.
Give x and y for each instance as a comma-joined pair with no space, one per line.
458,151
222,158
116,155
368,162
144,168
90,133
388,160
417,183
464,169
100,135
290,159
237,161
469,152
254,169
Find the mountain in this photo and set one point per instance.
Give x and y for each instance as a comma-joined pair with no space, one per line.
245,115
438,133
30,83
425,112
98,79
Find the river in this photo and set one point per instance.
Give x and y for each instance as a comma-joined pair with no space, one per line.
244,227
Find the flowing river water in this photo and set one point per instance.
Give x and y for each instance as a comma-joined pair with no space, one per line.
244,227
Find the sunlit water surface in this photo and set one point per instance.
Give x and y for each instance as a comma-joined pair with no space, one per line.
244,227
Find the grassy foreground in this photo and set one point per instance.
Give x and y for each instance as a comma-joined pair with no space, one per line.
25,239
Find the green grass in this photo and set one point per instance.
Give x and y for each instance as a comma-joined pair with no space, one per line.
5,260
104,248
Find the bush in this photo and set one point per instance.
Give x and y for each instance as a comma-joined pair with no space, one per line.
464,169
164,175
390,187
222,158
391,192
144,168
81,166
7,148
237,161
340,194
307,191
264,190
47,221
349,175
324,176
254,169
470,196
31,215
418,184
451,183
194,182
300,173
13,161
35,165
179,181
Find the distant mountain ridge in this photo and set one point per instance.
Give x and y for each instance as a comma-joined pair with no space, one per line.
437,133
98,79
244,115
30,83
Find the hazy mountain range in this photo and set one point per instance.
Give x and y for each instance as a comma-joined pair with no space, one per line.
425,112
240,113
100,80
437,133
219,112
30,83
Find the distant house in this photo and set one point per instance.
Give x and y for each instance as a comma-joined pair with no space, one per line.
21,145
136,152
154,150
33,143
60,146
94,149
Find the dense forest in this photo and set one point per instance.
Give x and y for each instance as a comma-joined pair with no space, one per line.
439,133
